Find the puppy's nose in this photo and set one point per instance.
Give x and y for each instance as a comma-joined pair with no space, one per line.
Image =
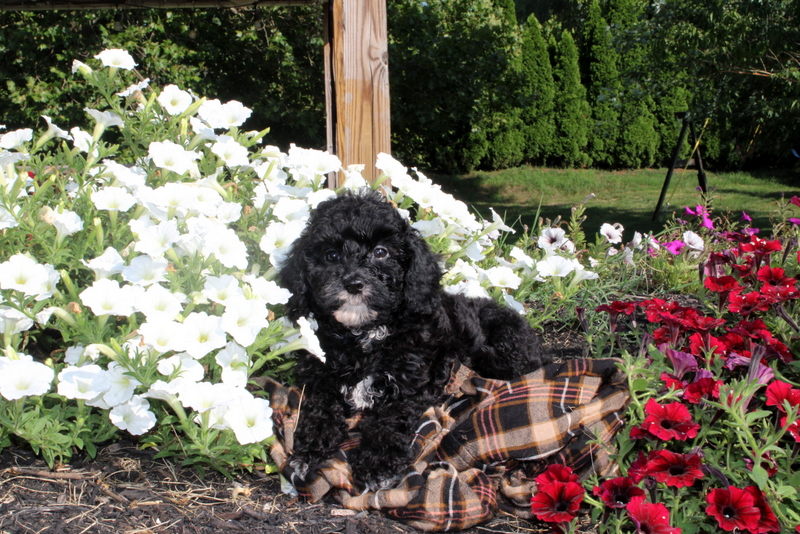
354,285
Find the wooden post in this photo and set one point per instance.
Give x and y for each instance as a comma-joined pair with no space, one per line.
357,82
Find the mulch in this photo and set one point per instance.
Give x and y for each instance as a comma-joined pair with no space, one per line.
125,490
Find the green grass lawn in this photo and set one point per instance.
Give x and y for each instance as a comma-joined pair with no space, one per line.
626,197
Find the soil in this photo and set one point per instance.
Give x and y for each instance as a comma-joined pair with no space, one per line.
124,490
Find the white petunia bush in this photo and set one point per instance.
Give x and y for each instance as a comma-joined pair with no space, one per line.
137,267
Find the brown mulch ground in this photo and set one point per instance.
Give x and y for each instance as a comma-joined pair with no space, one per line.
125,490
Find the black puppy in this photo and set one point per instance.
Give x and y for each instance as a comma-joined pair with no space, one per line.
390,334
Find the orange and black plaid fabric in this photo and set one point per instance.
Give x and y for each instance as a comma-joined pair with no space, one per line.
481,449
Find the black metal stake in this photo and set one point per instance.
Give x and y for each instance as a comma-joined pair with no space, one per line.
675,153
701,172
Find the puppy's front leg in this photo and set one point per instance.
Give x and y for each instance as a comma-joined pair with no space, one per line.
320,431
386,438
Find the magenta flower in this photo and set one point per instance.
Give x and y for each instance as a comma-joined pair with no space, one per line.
674,247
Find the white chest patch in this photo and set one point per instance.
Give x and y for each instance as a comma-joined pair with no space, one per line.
362,395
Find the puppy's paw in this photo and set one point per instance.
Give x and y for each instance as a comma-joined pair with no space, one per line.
299,468
375,471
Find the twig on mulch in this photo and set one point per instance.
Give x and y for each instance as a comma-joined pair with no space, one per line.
46,473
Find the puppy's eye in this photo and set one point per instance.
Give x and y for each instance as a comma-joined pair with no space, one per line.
332,256
380,253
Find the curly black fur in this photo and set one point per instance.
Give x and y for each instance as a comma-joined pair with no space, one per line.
390,333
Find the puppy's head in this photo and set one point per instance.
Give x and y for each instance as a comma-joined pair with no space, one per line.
359,263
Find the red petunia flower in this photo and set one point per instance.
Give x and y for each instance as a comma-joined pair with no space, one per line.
779,392
556,473
674,469
703,388
774,276
748,303
650,518
557,502
615,309
617,492
767,462
793,429
768,521
638,469
670,421
758,246
723,286
733,508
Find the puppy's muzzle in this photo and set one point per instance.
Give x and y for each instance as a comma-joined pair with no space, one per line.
354,284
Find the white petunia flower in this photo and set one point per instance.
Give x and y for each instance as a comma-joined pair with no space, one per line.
226,247
162,335
83,141
502,277
291,209
117,58
228,115
158,301
204,396
228,212
134,416
202,334
13,321
134,88
106,297
174,100
278,238
314,198
53,130
243,319
551,239
105,119
22,273
86,382
235,364
113,199
693,240
145,270
309,339
230,152
66,222
266,291
23,377
250,418
612,233
80,66
122,385
182,366
8,219
468,288
434,227
108,263
222,289
16,138
157,239
554,266
172,156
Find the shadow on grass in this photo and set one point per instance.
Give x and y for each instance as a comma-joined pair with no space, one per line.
481,197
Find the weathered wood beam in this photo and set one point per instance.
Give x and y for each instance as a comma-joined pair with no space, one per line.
73,5
357,75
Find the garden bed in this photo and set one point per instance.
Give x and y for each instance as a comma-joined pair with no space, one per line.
124,490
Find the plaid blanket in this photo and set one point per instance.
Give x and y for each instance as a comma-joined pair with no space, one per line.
480,450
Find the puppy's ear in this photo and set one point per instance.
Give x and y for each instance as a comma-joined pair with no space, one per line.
292,276
422,289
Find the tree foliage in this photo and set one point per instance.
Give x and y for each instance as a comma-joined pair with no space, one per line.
539,91
269,58
572,113
472,82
